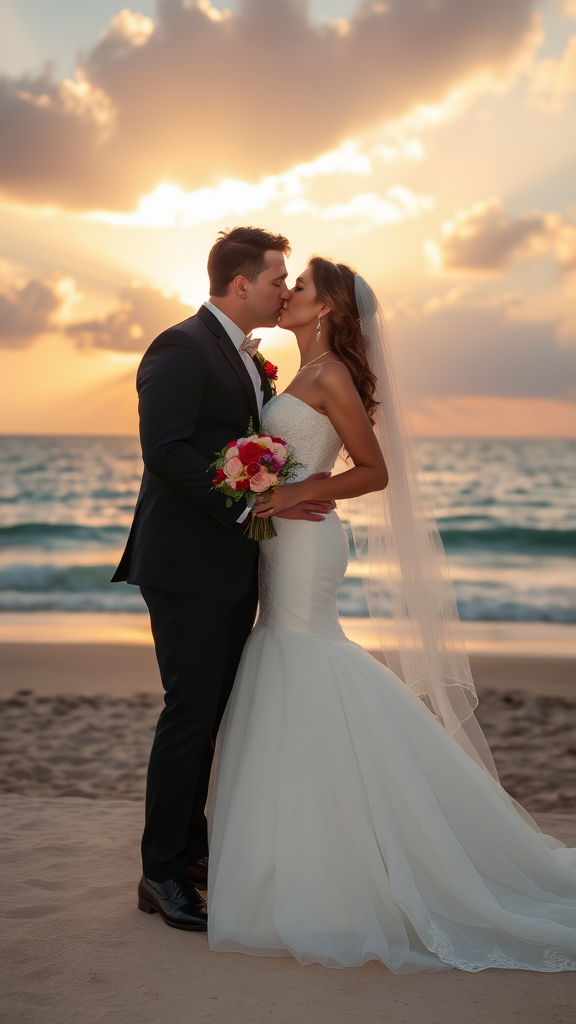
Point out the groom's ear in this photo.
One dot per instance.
(238, 287)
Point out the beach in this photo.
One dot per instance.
(429, 168)
(77, 722)
(80, 694)
(79, 950)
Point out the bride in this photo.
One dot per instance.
(354, 812)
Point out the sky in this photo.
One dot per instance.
(428, 143)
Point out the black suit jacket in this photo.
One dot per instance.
(195, 395)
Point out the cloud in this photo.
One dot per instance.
(369, 208)
(554, 79)
(565, 245)
(483, 238)
(142, 314)
(463, 348)
(31, 307)
(169, 205)
(198, 96)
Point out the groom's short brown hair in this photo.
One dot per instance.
(241, 251)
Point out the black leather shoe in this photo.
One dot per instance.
(198, 873)
(177, 901)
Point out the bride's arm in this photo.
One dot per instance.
(332, 392)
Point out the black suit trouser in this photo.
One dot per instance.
(198, 646)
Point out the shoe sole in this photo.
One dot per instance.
(149, 908)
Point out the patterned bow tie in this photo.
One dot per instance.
(250, 345)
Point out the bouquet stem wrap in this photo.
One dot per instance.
(261, 529)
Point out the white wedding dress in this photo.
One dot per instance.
(345, 823)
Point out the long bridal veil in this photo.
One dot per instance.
(408, 589)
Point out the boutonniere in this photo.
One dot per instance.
(270, 370)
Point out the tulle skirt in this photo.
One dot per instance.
(346, 825)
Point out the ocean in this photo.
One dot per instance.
(506, 510)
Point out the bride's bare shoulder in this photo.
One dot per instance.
(336, 389)
(334, 375)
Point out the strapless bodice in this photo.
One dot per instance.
(302, 567)
(311, 436)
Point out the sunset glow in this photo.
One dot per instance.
(447, 184)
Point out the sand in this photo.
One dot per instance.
(97, 747)
(126, 669)
(78, 720)
(75, 944)
(54, 668)
(79, 950)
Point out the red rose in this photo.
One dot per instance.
(278, 440)
(253, 468)
(250, 452)
(220, 475)
(271, 371)
(231, 444)
(242, 485)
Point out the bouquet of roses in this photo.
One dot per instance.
(251, 466)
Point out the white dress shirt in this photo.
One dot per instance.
(236, 335)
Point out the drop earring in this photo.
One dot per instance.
(318, 329)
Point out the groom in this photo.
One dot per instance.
(198, 386)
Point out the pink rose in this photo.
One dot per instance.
(280, 451)
(261, 482)
(233, 468)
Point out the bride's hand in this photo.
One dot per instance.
(291, 495)
(284, 497)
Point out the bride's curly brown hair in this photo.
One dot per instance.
(334, 285)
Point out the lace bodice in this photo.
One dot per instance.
(311, 435)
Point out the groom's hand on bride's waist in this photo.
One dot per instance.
(311, 510)
(314, 510)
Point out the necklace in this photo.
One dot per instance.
(315, 359)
